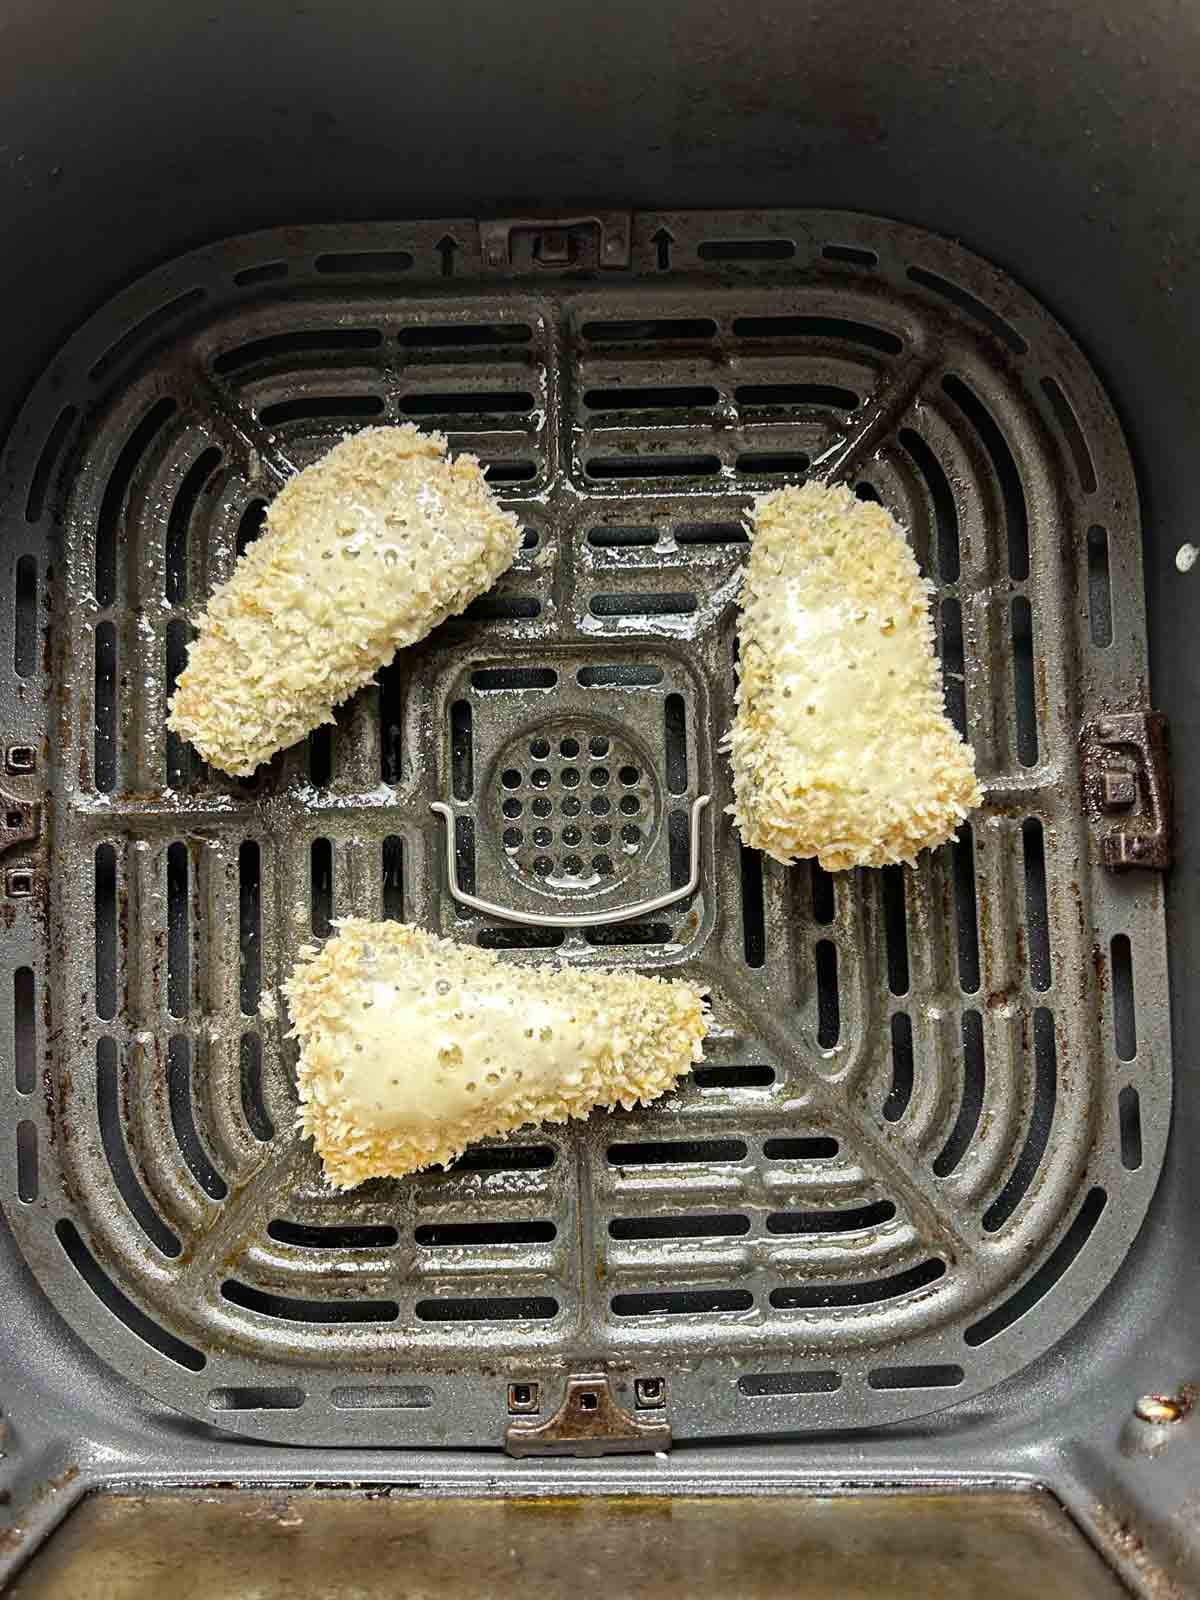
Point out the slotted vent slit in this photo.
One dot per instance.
(464, 856)
(680, 397)
(947, 1376)
(972, 305)
(681, 1302)
(966, 913)
(27, 1162)
(1041, 1118)
(679, 847)
(249, 926)
(253, 1105)
(25, 617)
(1024, 681)
(829, 1012)
(301, 342)
(288, 1308)
(1129, 1110)
(391, 710)
(653, 466)
(836, 1296)
(112, 505)
(452, 1235)
(178, 930)
(320, 756)
(497, 1308)
(431, 336)
(903, 1066)
(105, 899)
(392, 853)
(676, 1152)
(849, 1219)
(1100, 608)
(817, 1147)
(183, 1119)
(700, 1225)
(971, 1106)
(112, 1137)
(321, 887)
(824, 895)
(178, 755)
(1047, 1275)
(260, 1398)
(954, 681)
(1076, 439)
(621, 538)
(354, 1236)
(106, 1291)
(251, 524)
(462, 750)
(321, 408)
(675, 737)
(179, 522)
(44, 471)
(836, 330)
(1037, 906)
(895, 921)
(754, 931)
(1016, 514)
(941, 496)
(762, 1385)
(104, 738)
(24, 1031)
(733, 1077)
(1124, 1007)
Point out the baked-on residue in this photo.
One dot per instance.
(841, 748)
(363, 552)
(412, 1047)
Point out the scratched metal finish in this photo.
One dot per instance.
(931, 1118)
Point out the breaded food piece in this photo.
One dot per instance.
(841, 748)
(365, 551)
(412, 1047)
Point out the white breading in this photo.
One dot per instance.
(365, 551)
(412, 1047)
(841, 748)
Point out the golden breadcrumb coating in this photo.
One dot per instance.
(412, 1047)
(841, 748)
(363, 552)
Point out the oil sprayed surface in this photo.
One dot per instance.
(425, 1056)
(844, 675)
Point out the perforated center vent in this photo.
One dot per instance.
(935, 1098)
(575, 805)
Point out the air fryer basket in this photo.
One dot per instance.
(908, 1208)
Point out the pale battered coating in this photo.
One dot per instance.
(363, 552)
(412, 1047)
(841, 748)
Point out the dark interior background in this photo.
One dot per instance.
(1056, 138)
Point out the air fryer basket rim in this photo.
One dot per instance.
(1063, 165)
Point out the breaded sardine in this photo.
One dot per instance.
(365, 551)
(841, 748)
(412, 1047)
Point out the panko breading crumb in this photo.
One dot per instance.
(365, 551)
(841, 748)
(413, 1047)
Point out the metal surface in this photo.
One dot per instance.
(922, 1142)
(579, 919)
(247, 1546)
(589, 1422)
